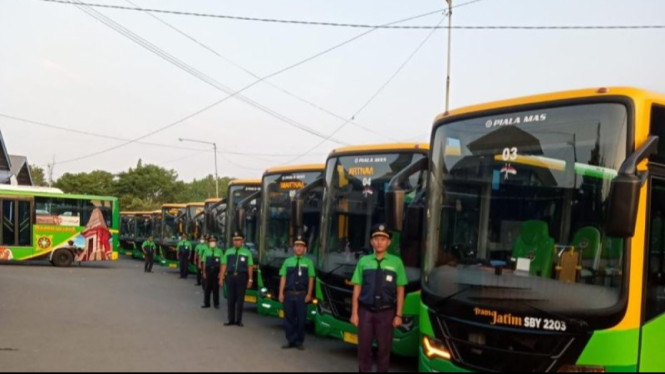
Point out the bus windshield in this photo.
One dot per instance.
(216, 220)
(173, 223)
(354, 202)
(280, 190)
(517, 205)
(143, 226)
(238, 193)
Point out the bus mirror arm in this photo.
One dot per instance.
(395, 194)
(298, 205)
(625, 192)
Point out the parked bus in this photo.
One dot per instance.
(44, 223)
(242, 214)
(545, 237)
(278, 227)
(173, 219)
(358, 182)
(143, 227)
(126, 236)
(215, 219)
(194, 223)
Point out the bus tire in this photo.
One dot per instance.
(63, 258)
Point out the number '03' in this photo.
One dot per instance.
(509, 154)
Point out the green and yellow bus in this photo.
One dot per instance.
(215, 219)
(280, 191)
(194, 223)
(44, 223)
(144, 226)
(242, 214)
(358, 183)
(173, 221)
(126, 235)
(545, 246)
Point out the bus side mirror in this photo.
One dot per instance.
(240, 219)
(624, 194)
(395, 209)
(622, 206)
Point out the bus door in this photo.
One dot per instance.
(653, 329)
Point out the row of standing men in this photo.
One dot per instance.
(378, 294)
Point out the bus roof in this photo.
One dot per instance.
(236, 182)
(214, 200)
(295, 168)
(553, 96)
(376, 148)
(174, 205)
(155, 212)
(142, 213)
(8, 189)
(196, 204)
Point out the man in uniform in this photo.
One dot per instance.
(198, 258)
(378, 298)
(184, 250)
(212, 260)
(237, 271)
(149, 248)
(295, 291)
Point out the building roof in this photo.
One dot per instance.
(21, 170)
(5, 162)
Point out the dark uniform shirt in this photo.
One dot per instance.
(212, 257)
(237, 260)
(297, 271)
(379, 280)
(184, 247)
(149, 246)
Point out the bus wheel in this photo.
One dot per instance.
(63, 258)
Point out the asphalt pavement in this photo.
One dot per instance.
(111, 316)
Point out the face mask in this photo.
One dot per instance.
(202, 241)
(213, 245)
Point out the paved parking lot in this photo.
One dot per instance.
(114, 317)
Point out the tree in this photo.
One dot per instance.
(97, 182)
(152, 184)
(202, 189)
(38, 177)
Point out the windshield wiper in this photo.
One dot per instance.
(326, 274)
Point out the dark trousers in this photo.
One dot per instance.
(379, 326)
(211, 286)
(198, 276)
(149, 259)
(295, 314)
(235, 290)
(184, 266)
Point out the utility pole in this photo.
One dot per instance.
(450, 24)
(214, 147)
(51, 166)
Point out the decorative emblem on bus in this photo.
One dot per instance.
(44, 242)
(508, 169)
(367, 187)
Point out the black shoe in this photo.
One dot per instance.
(216, 306)
(197, 284)
(300, 347)
(205, 306)
(239, 324)
(287, 346)
(229, 323)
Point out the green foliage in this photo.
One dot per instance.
(38, 177)
(142, 188)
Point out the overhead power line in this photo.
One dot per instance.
(354, 25)
(301, 62)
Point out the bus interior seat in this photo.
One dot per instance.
(587, 241)
(535, 243)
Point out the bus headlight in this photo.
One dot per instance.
(408, 323)
(263, 292)
(434, 348)
(324, 307)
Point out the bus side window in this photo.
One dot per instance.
(8, 222)
(655, 288)
(24, 224)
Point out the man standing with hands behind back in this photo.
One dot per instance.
(378, 298)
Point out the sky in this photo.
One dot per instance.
(74, 90)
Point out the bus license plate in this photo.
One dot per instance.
(250, 299)
(172, 266)
(350, 338)
(281, 313)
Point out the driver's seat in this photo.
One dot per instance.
(535, 243)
